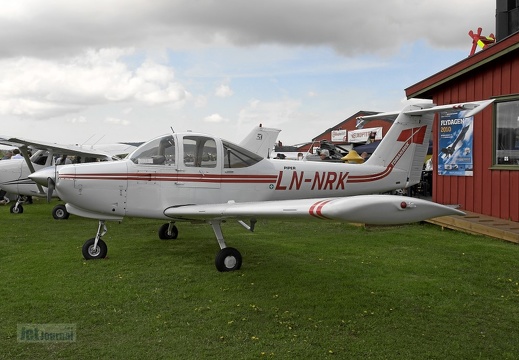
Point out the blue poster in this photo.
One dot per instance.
(455, 144)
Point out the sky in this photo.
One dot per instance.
(84, 72)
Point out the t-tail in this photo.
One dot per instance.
(405, 145)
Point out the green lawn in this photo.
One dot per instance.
(305, 290)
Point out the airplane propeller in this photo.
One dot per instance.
(51, 185)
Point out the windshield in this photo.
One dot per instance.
(159, 151)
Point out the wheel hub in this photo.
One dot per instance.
(230, 262)
(94, 251)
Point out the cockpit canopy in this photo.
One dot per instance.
(195, 151)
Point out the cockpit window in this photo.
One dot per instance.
(199, 151)
(238, 157)
(160, 151)
(40, 157)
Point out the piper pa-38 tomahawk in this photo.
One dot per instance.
(14, 173)
(200, 178)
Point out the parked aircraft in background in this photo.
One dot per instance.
(201, 178)
(14, 173)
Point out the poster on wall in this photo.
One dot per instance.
(455, 144)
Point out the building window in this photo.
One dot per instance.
(506, 140)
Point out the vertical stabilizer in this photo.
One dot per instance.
(261, 140)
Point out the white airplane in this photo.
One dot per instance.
(14, 173)
(200, 178)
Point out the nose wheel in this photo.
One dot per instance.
(16, 209)
(91, 251)
(96, 248)
(60, 212)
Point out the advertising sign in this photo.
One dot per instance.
(339, 136)
(363, 135)
(455, 144)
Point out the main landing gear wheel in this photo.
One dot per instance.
(89, 253)
(16, 209)
(168, 232)
(60, 212)
(228, 259)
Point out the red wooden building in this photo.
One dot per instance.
(492, 73)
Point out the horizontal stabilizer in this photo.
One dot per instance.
(420, 109)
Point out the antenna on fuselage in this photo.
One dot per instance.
(173, 131)
(92, 146)
(87, 140)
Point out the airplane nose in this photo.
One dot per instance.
(42, 176)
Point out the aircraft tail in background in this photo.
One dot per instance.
(261, 140)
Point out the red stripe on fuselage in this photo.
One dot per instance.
(370, 177)
(151, 176)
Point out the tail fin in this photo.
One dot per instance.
(260, 140)
(405, 145)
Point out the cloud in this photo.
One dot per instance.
(200, 101)
(223, 91)
(215, 118)
(40, 88)
(274, 112)
(117, 121)
(56, 27)
(77, 120)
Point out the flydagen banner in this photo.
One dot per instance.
(455, 144)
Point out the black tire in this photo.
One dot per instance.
(90, 254)
(16, 209)
(163, 232)
(60, 212)
(228, 259)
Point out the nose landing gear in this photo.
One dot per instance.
(96, 248)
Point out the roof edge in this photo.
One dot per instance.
(462, 67)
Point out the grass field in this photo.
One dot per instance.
(306, 290)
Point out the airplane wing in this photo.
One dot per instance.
(86, 151)
(367, 209)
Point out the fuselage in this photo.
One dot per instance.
(185, 169)
(14, 174)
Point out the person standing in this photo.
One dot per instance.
(16, 154)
